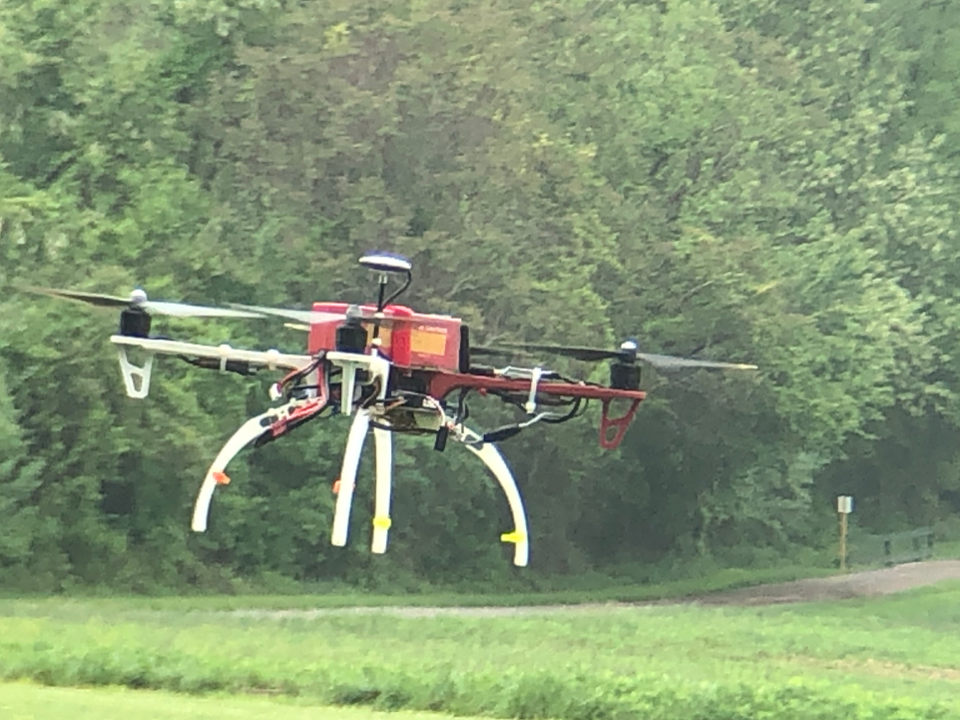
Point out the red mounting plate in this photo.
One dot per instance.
(611, 429)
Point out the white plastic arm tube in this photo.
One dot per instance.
(348, 477)
(495, 463)
(381, 511)
(245, 434)
(136, 379)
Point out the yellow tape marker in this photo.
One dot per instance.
(514, 537)
(382, 523)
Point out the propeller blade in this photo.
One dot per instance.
(668, 362)
(316, 316)
(98, 299)
(185, 310)
(572, 351)
(663, 362)
(299, 316)
(139, 299)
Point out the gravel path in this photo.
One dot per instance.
(836, 587)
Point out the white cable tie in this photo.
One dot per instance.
(275, 392)
(273, 357)
(224, 350)
(531, 405)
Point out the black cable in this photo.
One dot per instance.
(463, 412)
(398, 293)
(575, 411)
(240, 367)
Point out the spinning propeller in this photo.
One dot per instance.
(138, 301)
(306, 317)
(627, 353)
(384, 264)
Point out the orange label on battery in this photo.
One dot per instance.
(428, 340)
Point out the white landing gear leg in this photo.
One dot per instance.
(495, 463)
(245, 434)
(379, 370)
(348, 477)
(276, 421)
(348, 481)
(381, 511)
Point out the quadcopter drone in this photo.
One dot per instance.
(391, 370)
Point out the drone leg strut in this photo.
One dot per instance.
(379, 370)
(348, 482)
(348, 477)
(495, 463)
(245, 434)
(266, 426)
(381, 511)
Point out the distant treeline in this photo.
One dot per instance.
(759, 180)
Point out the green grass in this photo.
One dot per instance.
(24, 701)
(893, 657)
(946, 549)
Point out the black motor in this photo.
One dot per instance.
(134, 322)
(625, 374)
(352, 336)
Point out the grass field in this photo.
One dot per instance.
(894, 657)
(23, 701)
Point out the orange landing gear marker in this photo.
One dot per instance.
(221, 478)
(336, 486)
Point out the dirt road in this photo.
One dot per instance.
(836, 587)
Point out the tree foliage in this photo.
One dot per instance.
(765, 181)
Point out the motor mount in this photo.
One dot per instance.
(134, 322)
(351, 336)
(624, 375)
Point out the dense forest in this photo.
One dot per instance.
(751, 180)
